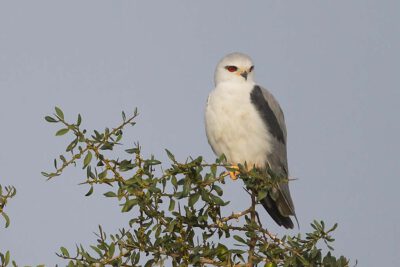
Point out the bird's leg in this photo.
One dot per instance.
(234, 174)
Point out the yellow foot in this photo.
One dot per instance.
(234, 174)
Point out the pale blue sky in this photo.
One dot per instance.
(333, 65)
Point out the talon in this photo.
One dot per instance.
(234, 174)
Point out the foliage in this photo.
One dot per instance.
(176, 212)
(10, 192)
(5, 194)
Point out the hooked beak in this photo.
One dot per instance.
(244, 75)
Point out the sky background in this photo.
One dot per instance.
(333, 65)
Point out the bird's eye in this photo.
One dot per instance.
(251, 69)
(231, 68)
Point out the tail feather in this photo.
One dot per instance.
(272, 208)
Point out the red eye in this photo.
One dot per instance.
(231, 68)
(251, 69)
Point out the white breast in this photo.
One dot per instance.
(234, 127)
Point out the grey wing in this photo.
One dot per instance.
(276, 108)
(278, 159)
(281, 206)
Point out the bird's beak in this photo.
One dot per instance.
(244, 75)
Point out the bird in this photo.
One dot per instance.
(245, 123)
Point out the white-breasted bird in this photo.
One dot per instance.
(246, 124)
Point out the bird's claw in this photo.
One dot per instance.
(234, 174)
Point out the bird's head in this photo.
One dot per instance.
(235, 67)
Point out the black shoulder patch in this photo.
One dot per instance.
(266, 113)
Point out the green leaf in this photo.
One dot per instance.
(72, 145)
(98, 251)
(132, 150)
(214, 170)
(89, 192)
(174, 181)
(239, 239)
(217, 200)
(79, 120)
(6, 218)
(50, 119)
(193, 199)
(87, 160)
(103, 174)
(171, 205)
(237, 251)
(110, 194)
(62, 131)
(59, 113)
(107, 146)
(171, 226)
(64, 251)
(7, 258)
(111, 250)
(218, 190)
(153, 162)
(186, 188)
(149, 263)
(129, 204)
(170, 155)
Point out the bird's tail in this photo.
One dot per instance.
(281, 208)
(272, 209)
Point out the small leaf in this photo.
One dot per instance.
(72, 145)
(193, 199)
(240, 239)
(103, 174)
(149, 263)
(98, 251)
(170, 155)
(129, 204)
(186, 188)
(111, 250)
(7, 258)
(153, 162)
(236, 251)
(87, 160)
(62, 131)
(107, 146)
(174, 181)
(218, 190)
(89, 192)
(59, 113)
(132, 151)
(171, 205)
(78, 122)
(64, 251)
(110, 194)
(6, 218)
(217, 200)
(50, 119)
